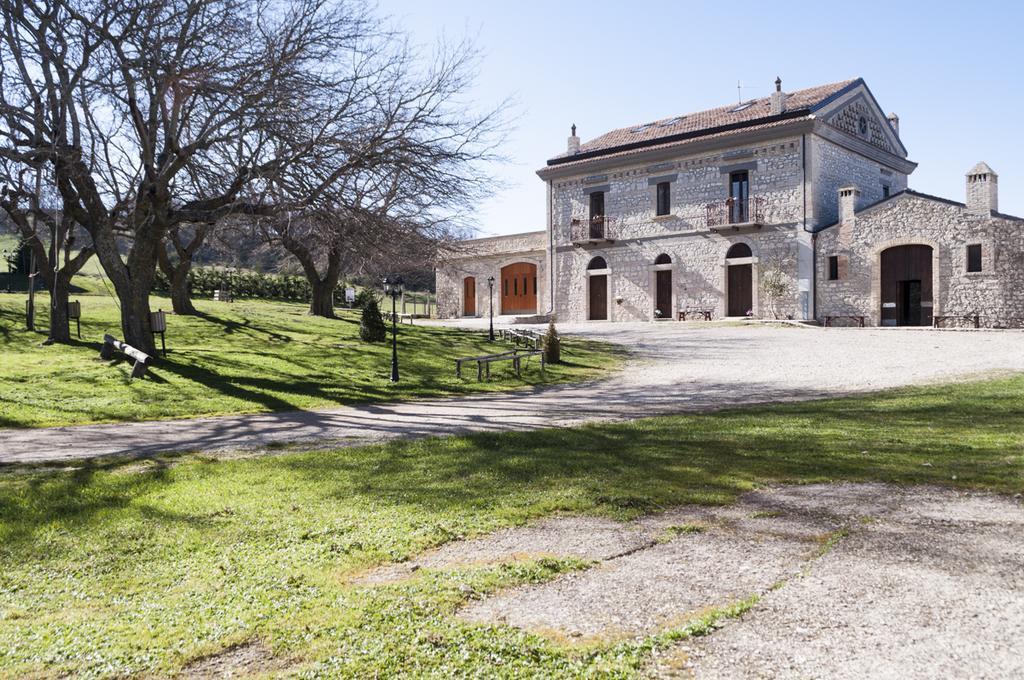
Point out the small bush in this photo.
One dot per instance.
(371, 326)
(363, 297)
(552, 344)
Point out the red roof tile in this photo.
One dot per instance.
(756, 112)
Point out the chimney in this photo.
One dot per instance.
(574, 141)
(982, 190)
(849, 194)
(894, 121)
(778, 98)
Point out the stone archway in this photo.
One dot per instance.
(519, 288)
(739, 280)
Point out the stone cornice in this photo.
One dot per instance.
(674, 151)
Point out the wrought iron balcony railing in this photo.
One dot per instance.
(734, 212)
(598, 229)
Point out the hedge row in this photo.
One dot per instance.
(202, 281)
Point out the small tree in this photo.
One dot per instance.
(363, 297)
(371, 327)
(775, 286)
(552, 344)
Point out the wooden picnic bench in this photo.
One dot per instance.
(483, 363)
(859, 320)
(704, 314)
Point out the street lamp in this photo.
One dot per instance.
(490, 295)
(393, 289)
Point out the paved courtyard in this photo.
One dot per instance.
(675, 367)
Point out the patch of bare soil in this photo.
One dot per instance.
(240, 661)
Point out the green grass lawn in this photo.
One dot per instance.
(244, 357)
(121, 568)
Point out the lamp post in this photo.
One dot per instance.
(490, 306)
(393, 289)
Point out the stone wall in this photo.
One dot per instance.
(698, 274)
(996, 293)
(832, 166)
(482, 258)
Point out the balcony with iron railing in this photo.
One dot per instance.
(736, 214)
(597, 229)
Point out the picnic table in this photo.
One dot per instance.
(703, 314)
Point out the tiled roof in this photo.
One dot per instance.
(733, 116)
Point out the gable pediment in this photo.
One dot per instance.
(858, 115)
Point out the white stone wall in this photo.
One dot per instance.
(832, 166)
(482, 258)
(698, 274)
(996, 293)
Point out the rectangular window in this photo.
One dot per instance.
(885, 191)
(664, 200)
(974, 257)
(597, 214)
(833, 268)
(739, 196)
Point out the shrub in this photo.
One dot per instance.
(371, 326)
(552, 344)
(364, 296)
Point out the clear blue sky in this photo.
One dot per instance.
(953, 72)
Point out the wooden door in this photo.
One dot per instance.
(469, 296)
(663, 294)
(906, 286)
(741, 293)
(519, 288)
(598, 295)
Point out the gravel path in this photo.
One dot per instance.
(913, 583)
(677, 367)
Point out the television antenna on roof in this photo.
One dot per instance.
(739, 91)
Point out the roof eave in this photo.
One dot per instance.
(693, 144)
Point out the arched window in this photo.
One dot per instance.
(739, 250)
(663, 259)
(597, 263)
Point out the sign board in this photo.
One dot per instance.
(888, 305)
(350, 295)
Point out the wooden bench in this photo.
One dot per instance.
(402, 318)
(859, 320)
(483, 363)
(975, 319)
(704, 314)
(222, 295)
(142, 360)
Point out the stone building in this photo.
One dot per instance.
(913, 259)
(722, 212)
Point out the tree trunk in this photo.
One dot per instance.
(181, 297)
(135, 318)
(60, 292)
(322, 300)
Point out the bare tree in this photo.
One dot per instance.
(422, 155)
(154, 114)
(58, 244)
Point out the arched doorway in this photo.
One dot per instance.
(663, 287)
(519, 288)
(739, 280)
(597, 289)
(469, 296)
(906, 286)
